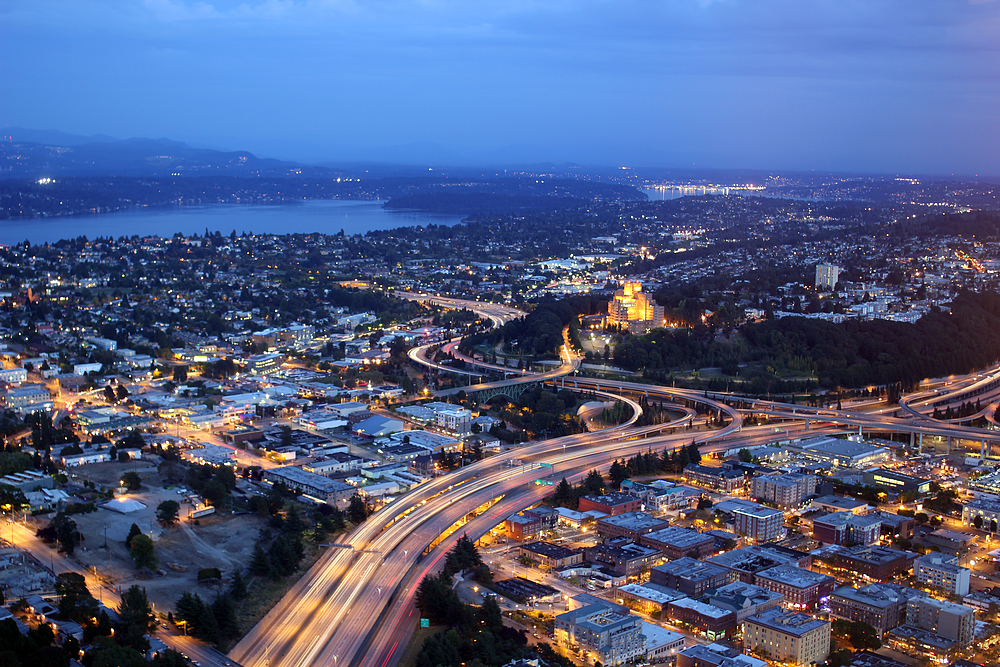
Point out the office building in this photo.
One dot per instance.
(947, 619)
(724, 480)
(941, 571)
(786, 490)
(827, 276)
(610, 632)
(759, 524)
(787, 636)
(847, 528)
(882, 606)
(690, 576)
(802, 588)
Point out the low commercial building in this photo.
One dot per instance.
(951, 541)
(310, 484)
(612, 634)
(551, 555)
(690, 576)
(895, 525)
(661, 644)
(630, 524)
(29, 394)
(719, 479)
(611, 504)
(646, 598)
(895, 482)
(263, 364)
(748, 562)
(73, 460)
(882, 606)
(839, 453)
(847, 527)
(839, 504)
(789, 637)
(703, 618)
(377, 427)
(802, 588)
(676, 542)
(716, 655)
(941, 571)
(744, 599)
(871, 563)
(623, 557)
(987, 510)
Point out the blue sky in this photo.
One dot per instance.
(898, 86)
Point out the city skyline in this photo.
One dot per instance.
(894, 88)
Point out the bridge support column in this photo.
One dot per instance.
(982, 450)
(920, 446)
(913, 437)
(948, 451)
(807, 424)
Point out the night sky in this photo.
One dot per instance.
(897, 86)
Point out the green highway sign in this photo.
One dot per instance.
(425, 622)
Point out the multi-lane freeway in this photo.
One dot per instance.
(354, 607)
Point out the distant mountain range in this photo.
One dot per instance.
(26, 153)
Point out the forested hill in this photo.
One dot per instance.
(851, 354)
(539, 333)
(510, 195)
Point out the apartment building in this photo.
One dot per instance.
(787, 636)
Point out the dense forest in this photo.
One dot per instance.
(851, 354)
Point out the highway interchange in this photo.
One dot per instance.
(354, 606)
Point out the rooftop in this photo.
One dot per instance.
(787, 622)
(793, 576)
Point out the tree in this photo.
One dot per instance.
(66, 532)
(132, 532)
(169, 658)
(12, 499)
(75, 600)
(143, 552)
(131, 480)
(978, 522)
(745, 455)
(167, 512)
(357, 510)
(137, 618)
(618, 473)
(239, 587)
(109, 654)
(260, 565)
(694, 456)
(135, 610)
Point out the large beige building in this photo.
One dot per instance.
(635, 310)
(787, 636)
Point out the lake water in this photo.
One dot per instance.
(328, 217)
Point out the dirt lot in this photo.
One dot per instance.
(221, 541)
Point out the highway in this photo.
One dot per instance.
(354, 607)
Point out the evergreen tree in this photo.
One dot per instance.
(357, 511)
(260, 566)
(132, 532)
(239, 587)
